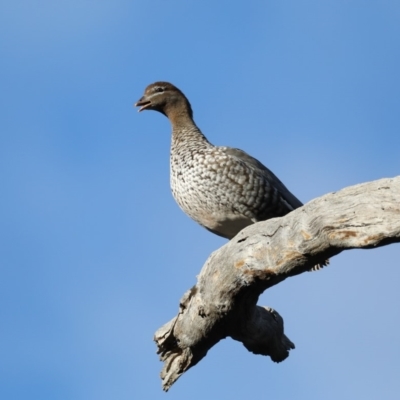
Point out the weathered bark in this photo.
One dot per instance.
(223, 302)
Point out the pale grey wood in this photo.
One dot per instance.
(223, 302)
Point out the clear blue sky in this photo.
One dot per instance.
(94, 252)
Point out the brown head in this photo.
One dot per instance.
(165, 98)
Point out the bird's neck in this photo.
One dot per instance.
(189, 137)
(180, 119)
(184, 130)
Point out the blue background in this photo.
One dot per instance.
(94, 252)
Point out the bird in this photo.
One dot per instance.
(224, 189)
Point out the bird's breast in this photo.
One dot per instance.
(210, 190)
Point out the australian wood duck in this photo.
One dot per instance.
(223, 189)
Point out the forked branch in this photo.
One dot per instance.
(224, 301)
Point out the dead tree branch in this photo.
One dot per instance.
(223, 302)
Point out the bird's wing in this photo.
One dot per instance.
(268, 175)
(261, 169)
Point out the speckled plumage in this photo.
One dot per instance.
(222, 188)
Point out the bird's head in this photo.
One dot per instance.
(165, 98)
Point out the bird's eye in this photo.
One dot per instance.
(159, 89)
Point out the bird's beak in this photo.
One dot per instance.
(143, 103)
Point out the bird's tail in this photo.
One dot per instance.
(319, 266)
